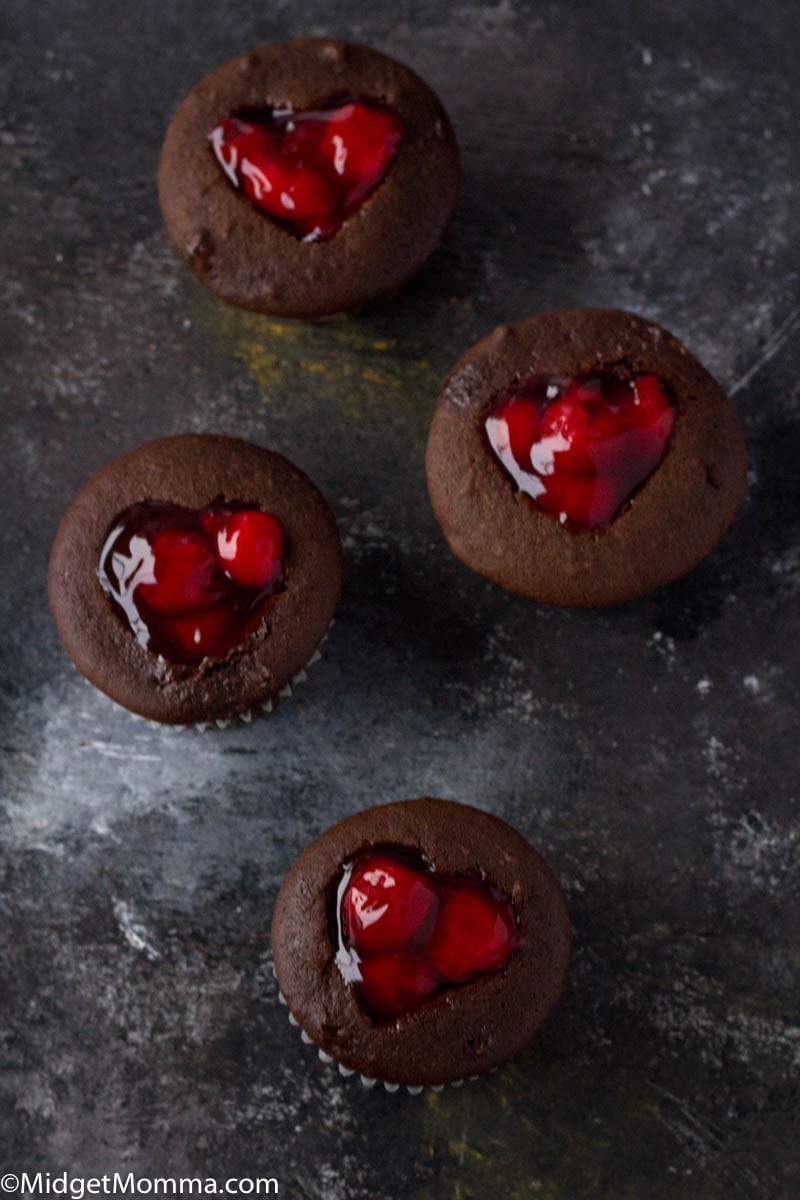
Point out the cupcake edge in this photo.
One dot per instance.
(189, 470)
(671, 523)
(475, 1026)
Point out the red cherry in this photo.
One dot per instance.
(298, 196)
(311, 170)
(395, 983)
(523, 417)
(212, 519)
(649, 394)
(186, 573)
(209, 633)
(585, 500)
(360, 141)
(250, 547)
(568, 417)
(387, 906)
(626, 456)
(474, 932)
(565, 431)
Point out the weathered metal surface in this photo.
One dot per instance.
(613, 154)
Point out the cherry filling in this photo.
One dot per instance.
(580, 447)
(407, 932)
(193, 583)
(309, 170)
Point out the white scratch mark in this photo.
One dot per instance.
(697, 1135)
(693, 1132)
(109, 750)
(134, 932)
(773, 346)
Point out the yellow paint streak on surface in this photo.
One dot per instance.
(261, 364)
(461, 1151)
(370, 375)
(357, 370)
(290, 332)
(352, 338)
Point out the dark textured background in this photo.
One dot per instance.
(637, 155)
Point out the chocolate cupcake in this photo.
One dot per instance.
(308, 177)
(420, 943)
(583, 457)
(195, 578)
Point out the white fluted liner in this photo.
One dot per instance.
(366, 1080)
(246, 717)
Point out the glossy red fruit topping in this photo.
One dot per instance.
(397, 982)
(407, 932)
(472, 934)
(208, 633)
(250, 547)
(193, 583)
(387, 905)
(186, 573)
(581, 447)
(309, 170)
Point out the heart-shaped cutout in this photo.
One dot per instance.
(580, 447)
(309, 170)
(407, 932)
(192, 583)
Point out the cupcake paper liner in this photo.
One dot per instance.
(367, 1081)
(250, 714)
